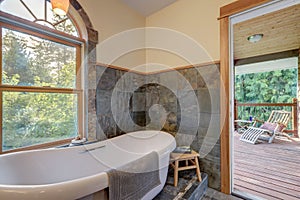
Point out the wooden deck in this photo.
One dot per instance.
(268, 171)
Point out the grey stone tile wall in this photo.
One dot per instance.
(184, 103)
(119, 108)
(194, 112)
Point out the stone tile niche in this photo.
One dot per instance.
(184, 103)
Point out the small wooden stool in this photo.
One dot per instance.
(191, 162)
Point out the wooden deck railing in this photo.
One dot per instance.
(293, 105)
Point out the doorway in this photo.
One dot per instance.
(265, 170)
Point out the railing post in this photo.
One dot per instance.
(235, 110)
(295, 117)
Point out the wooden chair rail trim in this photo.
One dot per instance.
(216, 62)
(118, 68)
(204, 64)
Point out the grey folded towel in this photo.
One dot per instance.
(134, 180)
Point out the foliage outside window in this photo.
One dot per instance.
(39, 89)
(278, 86)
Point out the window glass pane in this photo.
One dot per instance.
(67, 27)
(15, 7)
(36, 7)
(35, 118)
(32, 61)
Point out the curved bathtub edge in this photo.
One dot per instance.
(81, 187)
(68, 190)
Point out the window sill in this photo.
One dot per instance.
(41, 146)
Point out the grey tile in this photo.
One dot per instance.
(107, 125)
(132, 81)
(108, 80)
(167, 98)
(103, 102)
(183, 139)
(200, 81)
(139, 118)
(152, 95)
(185, 178)
(204, 100)
(91, 100)
(189, 79)
(99, 72)
(169, 80)
(205, 120)
(210, 75)
(215, 100)
(92, 79)
(214, 194)
(152, 78)
(122, 102)
(138, 101)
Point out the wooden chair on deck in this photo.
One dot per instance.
(275, 125)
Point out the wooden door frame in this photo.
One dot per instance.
(225, 13)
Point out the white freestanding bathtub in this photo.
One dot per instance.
(75, 172)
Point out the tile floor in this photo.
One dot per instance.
(212, 194)
(187, 183)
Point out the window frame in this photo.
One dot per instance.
(21, 25)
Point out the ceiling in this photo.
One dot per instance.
(267, 66)
(148, 7)
(281, 31)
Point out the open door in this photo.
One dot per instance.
(264, 55)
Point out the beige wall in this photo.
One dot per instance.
(192, 36)
(195, 18)
(110, 17)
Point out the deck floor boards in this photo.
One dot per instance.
(279, 172)
(287, 185)
(269, 171)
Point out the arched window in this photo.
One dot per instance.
(40, 12)
(40, 88)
